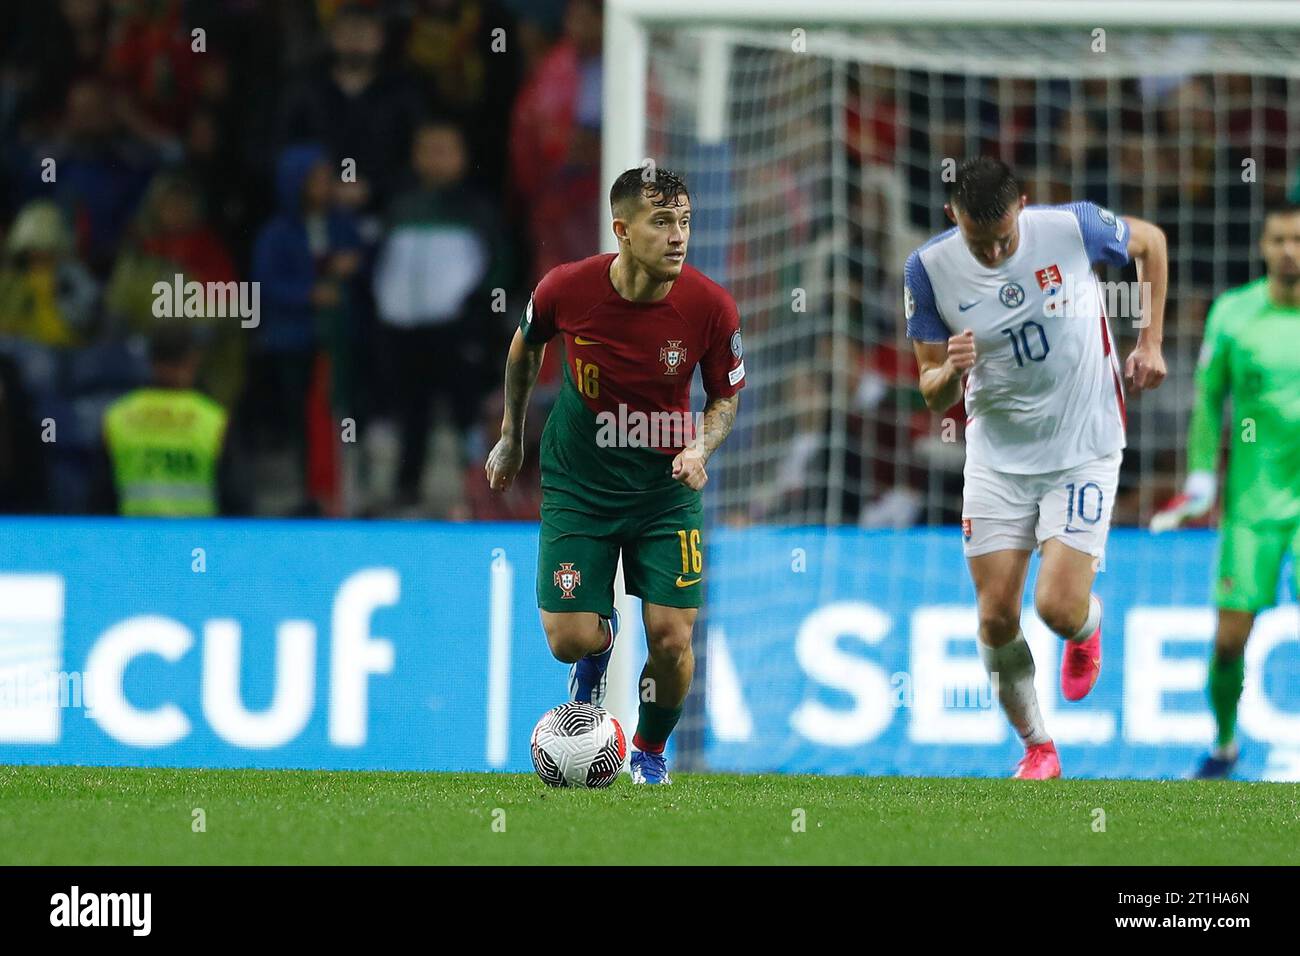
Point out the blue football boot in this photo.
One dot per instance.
(649, 768)
(1215, 767)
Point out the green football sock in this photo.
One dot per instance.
(1224, 690)
(653, 726)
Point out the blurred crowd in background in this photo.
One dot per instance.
(395, 175)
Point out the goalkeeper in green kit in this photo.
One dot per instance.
(1251, 355)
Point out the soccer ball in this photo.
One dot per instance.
(578, 745)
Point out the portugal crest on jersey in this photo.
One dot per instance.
(673, 356)
(567, 578)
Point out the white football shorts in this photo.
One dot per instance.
(1002, 511)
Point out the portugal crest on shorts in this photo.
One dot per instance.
(567, 578)
(673, 356)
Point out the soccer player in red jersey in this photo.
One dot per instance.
(622, 459)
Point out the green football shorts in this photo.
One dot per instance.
(1250, 564)
(663, 558)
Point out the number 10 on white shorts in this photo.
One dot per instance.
(1003, 511)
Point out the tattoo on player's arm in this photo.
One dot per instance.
(719, 416)
(522, 366)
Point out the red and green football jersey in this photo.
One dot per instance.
(624, 407)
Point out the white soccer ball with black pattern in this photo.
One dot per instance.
(578, 745)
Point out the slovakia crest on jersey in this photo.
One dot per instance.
(1049, 279)
(567, 578)
(673, 356)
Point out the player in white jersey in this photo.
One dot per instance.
(1008, 298)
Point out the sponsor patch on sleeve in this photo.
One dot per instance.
(1110, 219)
(736, 374)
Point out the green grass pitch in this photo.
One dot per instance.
(80, 815)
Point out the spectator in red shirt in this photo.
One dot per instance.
(555, 142)
(152, 61)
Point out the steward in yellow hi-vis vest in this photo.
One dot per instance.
(165, 442)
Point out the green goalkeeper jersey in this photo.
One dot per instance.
(1251, 355)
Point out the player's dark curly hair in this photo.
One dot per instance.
(661, 186)
(985, 188)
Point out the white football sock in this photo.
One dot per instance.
(1093, 620)
(1011, 668)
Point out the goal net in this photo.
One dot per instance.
(819, 150)
(825, 167)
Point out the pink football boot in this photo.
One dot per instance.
(1081, 666)
(1040, 762)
